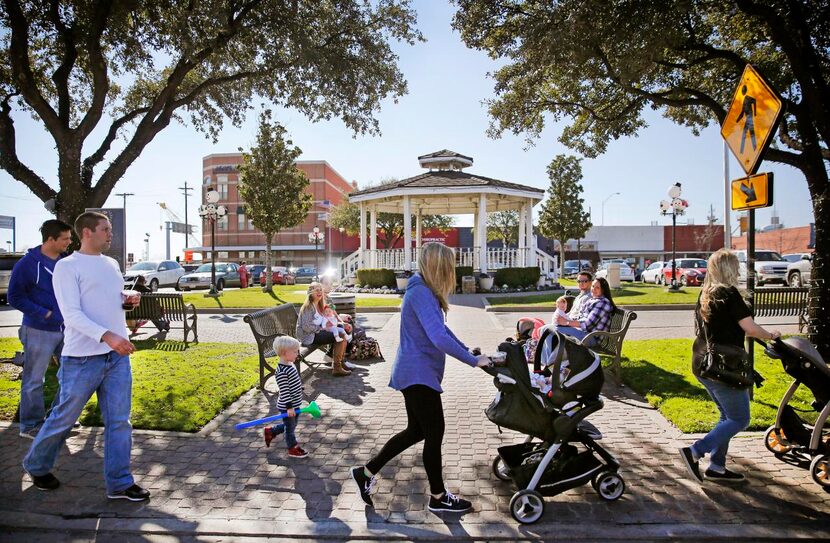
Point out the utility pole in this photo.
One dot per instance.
(124, 195)
(186, 191)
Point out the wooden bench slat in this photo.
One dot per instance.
(782, 302)
(169, 306)
(610, 342)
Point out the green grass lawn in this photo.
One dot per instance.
(254, 297)
(173, 388)
(629, 294)
(661, 370)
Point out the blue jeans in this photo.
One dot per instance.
(733, 404)
(38, 348)
(109, 376)
(288, 426)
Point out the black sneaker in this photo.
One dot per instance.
(364, 485)
(449, 502)
(46, 482)
(135, 494)
(727, 476)
(690, 463)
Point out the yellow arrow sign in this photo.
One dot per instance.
(752, 192)
(751, 121)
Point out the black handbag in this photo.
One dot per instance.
(727, 364)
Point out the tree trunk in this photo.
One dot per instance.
(267, 271)
(562, 259)
(819, 324)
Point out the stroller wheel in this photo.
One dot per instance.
(527, 506)
(820, 470)
(776, 441)
(609, 485)
(500, 469)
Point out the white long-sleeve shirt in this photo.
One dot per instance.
(88, 289)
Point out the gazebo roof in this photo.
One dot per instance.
(447, 191)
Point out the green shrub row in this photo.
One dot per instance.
(517, 277)
(376, 277)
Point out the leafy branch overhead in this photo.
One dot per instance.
(109, 76)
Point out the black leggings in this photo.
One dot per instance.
(425, 421)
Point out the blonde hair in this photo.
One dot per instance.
(722, 271)
(308, 301)
(436, 265)
(283, 343)
(562, 299)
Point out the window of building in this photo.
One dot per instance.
(222, 255)
(240, 218)
(222, 186)
(222, 223)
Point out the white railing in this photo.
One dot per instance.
(466, 256)
(348, 265)
(549, 265)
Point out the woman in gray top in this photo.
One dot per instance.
(309, 332)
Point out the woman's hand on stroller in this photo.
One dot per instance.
(483, 361)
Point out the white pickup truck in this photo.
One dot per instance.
(769, 267)
(799, 272)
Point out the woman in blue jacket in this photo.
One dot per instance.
(417, 372)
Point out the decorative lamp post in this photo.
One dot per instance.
(342, 230)
(675, 207)
(212, 212)
(317, 237)
(603, 205)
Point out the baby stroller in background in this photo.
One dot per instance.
(569, 455)
(791, 435)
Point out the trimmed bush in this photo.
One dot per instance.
(461, 271)
(376, 277)
(517, 277)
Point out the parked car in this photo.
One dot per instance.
(795, 257)
(279, 276)
(690, 271)
(227, 275)
(188, 268)
(255, 271)
(626, 273)
(769, 267)
(572, 267)
(305, 275)
(7, 262)
(799, 272)
(157, 274)
(654, 273)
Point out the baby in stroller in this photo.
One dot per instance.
(790, 435)
(568, 455)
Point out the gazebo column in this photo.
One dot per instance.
(407, 233)
(522, 238)
(362, 250)
(481, 230)
(531, 242)
(418, 230)
(373, 237)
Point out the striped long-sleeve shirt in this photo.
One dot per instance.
(291, 387)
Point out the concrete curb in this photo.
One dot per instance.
(540, 308)
(246, 310)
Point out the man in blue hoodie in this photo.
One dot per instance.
(31, 293)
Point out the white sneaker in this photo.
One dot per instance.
(348, 365)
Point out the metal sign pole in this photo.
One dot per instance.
(750, 275)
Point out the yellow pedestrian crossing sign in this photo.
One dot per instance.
(751, 121)
(752, 192)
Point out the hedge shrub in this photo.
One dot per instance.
(376, 277)
(517, 277)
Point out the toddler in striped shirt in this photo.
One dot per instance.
(291, 395)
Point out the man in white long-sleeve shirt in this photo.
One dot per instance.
(95, 359)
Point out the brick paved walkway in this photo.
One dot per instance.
(227, 482)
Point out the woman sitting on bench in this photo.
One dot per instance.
(309, 332)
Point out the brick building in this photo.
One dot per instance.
(800, 239)
(236, 237)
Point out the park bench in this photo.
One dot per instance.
(782, 302)
(168, 306)
(609, 342)
(269, 324)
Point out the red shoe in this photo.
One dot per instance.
(297, 452)
(269, 436)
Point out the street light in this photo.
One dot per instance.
(146, 246)
(212, 212)
(603, 205)
(316, 236)
(675, 207)
(342, 230)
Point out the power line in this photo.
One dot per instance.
(124, 195)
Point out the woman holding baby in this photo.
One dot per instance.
(318, 325)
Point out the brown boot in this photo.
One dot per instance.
(338, 370)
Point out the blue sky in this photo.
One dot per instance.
(447, 85)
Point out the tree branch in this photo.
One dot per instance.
(8, 155)
(95, 158)
(70, 54)
(98, 67)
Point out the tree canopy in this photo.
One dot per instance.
(598, 64)
(106, 77)
(273, 188)
(563, 214)
(503, 226)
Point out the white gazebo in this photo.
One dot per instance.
(446, 190)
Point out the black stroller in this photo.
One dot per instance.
(568, 455)
(790, 435)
